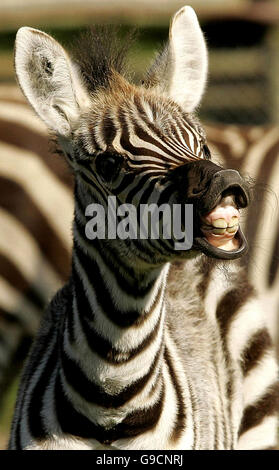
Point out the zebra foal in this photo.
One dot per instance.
(146, 346)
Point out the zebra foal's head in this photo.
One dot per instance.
(139, 144)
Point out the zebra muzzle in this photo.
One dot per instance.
(221, 235)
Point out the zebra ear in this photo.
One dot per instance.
(181, 69)
(46, 77)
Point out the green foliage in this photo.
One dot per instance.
(6, 412)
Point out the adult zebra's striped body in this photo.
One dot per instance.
(146, 356)
(254, 151)
(35, 239)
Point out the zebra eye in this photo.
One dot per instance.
(108, 166)
(206, 152)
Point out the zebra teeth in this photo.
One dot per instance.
(232, 229)
(220, 223)
(233, 222)
(219, 231)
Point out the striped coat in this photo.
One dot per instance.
(21, 299)
(142, 348)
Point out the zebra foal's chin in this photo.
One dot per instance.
(147, 346)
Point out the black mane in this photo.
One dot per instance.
(99, 51)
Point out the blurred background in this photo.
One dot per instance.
(240, 107)
(242, 36)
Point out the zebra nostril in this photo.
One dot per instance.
(230, 183)
(241, 200)
(228, 198)
(235, 195)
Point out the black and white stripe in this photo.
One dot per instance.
(137, 350)
(113, 371)
(34, 241)
(220, 140)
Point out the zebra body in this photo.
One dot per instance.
(143, 348)
(185, 394)
(22, 300)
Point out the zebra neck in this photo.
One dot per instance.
(116, 289)
(114, 331)
(103, 291)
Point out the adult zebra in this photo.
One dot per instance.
(254, 150)
(35, 237)
(145, 356)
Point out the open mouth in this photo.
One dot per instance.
(220, 235)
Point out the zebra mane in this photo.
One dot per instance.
(100, 51)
